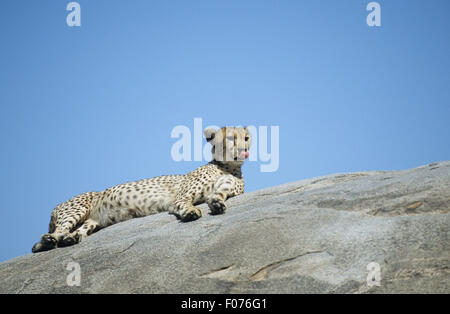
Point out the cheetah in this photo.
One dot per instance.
(74, 220)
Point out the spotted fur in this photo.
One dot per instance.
(212, 183)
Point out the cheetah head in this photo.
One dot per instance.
(229, 144)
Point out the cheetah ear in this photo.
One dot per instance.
(210, 134)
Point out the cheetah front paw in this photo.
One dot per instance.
(191, 214)
(217, 206)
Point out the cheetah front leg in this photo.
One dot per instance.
(224, 188)
(185, 210)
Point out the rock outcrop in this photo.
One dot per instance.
(312, 236)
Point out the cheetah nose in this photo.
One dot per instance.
(243, 154)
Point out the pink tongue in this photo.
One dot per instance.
(244, 154)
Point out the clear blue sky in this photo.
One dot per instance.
(87, 108)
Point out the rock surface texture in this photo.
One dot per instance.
(312, 236)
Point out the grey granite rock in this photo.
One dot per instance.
(311, 236)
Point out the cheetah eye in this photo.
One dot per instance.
(247, 138)
(211, 137)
